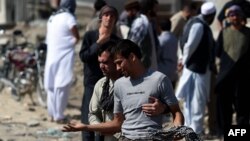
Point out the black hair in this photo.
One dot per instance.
(165, 24)
(125, 47)
(148, 6)
(132, 4)
(190, 6)
(107, 46)
(99, 4)
(107, 98)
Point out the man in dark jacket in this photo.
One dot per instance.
(231, 88)
(92, 40)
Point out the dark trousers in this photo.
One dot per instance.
(212, 114)
(233, 99)
(88, 136)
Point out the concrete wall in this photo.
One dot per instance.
(12, 11)
(3, 18)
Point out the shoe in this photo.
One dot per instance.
(51, 119)
(62, 121)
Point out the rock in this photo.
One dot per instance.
(7, 117)
(33, 123)
(54, 132)
(20, 133)
(31, 109)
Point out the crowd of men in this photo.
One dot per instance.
(137, 69)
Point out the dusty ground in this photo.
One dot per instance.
(22, 121)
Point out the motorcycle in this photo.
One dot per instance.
(22, 69)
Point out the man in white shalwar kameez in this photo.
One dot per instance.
(62, 35)
(194, 83)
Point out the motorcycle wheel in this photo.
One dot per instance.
(1, 86)
(41, 93)
(15, 95)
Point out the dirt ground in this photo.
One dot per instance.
(22, 121)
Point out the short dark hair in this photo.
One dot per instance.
(165, 24)
(132, 4)
(148, 6)
(189, 6)
(99, 4)
(108, 46)
(125, 47)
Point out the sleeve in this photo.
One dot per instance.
(89, 49)
(175, 28)
(117, 100)
(194, 38)
(71, 21)
(167, 95)
(219, 45)
(95, 112)
(137, 31)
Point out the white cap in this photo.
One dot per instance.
(208, 8)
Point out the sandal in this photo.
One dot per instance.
(62, 121)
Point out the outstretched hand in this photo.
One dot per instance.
(73, 126)
(154, 107)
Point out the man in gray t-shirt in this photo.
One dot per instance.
(131, 93)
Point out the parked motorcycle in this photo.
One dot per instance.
(22, 69)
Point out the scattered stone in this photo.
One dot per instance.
(6, 117)
(51, 132)
(31, 109)
(54, 132)
(33, 123)
(44, 118)
(20, 134)
(67, 135)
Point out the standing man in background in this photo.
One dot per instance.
(178, 22)
(167, 52)
(194, 83)
(179, 19)
(243, 4)
(140, 32)
(94, 23)
(62, 36)
(233, 50)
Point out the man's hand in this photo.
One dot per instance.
(74, 127)
(154, 107)
(179, 67)
(103, 37)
